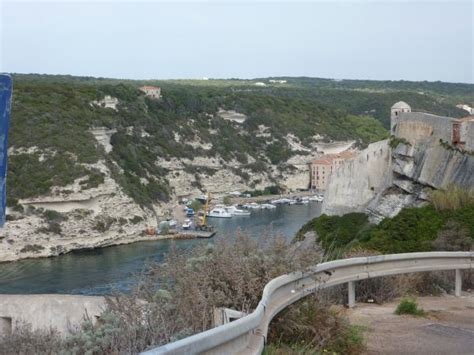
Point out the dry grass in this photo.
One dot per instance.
(453, 198)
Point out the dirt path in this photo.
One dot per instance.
(449, 328)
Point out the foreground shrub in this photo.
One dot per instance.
(313, 326)
(25, 340)
(409, 306)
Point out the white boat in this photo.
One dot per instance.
(234, 211)
(187, 223)
(317, 198)
(219, 213)
(267, 206)
(254, 206)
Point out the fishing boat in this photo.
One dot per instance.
(219, 213)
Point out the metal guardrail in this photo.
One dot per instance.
(247, 335)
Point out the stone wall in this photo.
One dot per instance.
(470, 136)
(359, 180)
(418, 126)
(62, 312)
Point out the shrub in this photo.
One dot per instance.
(32, 248)
(313, 326)
(409, 306)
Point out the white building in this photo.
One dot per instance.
(153, 92)
(107, 102)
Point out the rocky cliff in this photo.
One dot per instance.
(399, 177)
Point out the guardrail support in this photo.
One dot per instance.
(351, 294)
(458, 283)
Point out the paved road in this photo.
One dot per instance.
(449, 328)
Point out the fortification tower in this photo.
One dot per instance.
(395, 111)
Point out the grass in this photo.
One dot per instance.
(409, 306)
(453, 198)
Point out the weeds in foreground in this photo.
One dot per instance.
(453, 198)
(312, 326)
(409, 306)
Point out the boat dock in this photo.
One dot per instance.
(191, 234)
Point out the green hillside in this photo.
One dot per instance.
(53, 114)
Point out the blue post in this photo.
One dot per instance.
(5, 106)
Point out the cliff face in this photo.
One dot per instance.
(402, 176)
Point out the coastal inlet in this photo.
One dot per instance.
(101, 271)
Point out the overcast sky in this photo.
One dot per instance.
(143, 40)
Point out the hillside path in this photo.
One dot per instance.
(449, 328)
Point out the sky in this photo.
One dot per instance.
(388, 40)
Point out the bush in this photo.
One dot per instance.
(32, 248)
(313, 326)
(409, 306)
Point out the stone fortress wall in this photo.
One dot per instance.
(412, 169)
(417, 126)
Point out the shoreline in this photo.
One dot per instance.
(117, 242)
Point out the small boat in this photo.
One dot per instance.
(317, 198)
(267, 206)
(189, 212)
(219, 213)
(254, 206)
(187, 224)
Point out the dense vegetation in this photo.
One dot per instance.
(448, 224)
(54, 115)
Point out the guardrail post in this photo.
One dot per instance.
(351, 294)
(458, 283)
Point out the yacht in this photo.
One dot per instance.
(219, 213)
(234, 211)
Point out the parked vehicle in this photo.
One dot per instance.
(187, 224)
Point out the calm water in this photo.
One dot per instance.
(101, 271)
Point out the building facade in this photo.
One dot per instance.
(321, 169)
(153, 92)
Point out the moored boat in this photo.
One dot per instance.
(219, 213)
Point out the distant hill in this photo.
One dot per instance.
(52, 116)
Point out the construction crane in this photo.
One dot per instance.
(202, 224)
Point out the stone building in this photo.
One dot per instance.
(107, 102)
(422, 126)
(395, 111)
(321, 169)
(153, 92)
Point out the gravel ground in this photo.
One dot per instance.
(448, 328)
